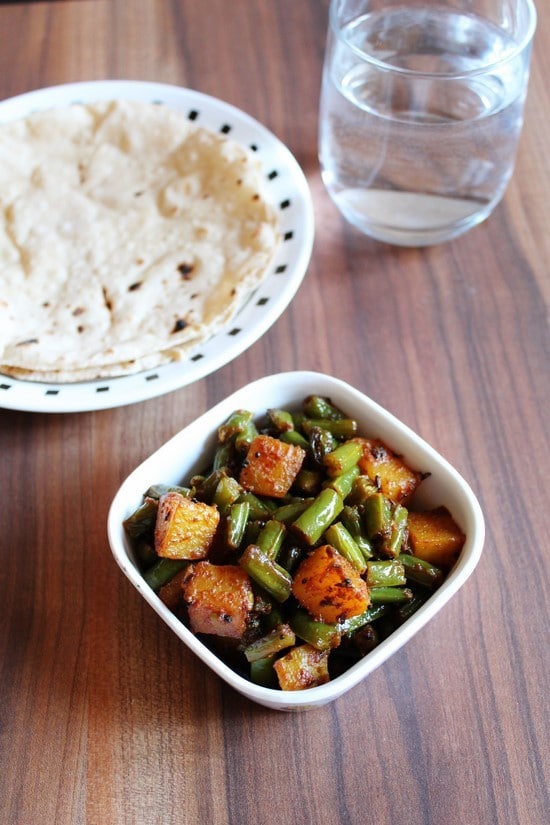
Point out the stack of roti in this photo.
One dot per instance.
(128, 235)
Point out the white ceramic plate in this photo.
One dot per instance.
(286, 188)
(192, 448)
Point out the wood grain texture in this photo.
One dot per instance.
(104, 716)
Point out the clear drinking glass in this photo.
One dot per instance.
(421, 111)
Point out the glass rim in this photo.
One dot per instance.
(383, 65)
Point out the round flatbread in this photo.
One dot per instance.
(128, 234)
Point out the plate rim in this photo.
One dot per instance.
(291, 260)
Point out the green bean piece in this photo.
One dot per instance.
(237, 520)
(378, 517)
(266, 572)
(224, 455)
(343, 483)
(145, 552)
(142, 521)
(343, 458)
(421, 571)
(298, 418)
(251, 531)
(391, 545)
(205, 486)
(227, 493)
(260, 508)
(342, 540)
(321, 442)
(270, 538)
(315, 406)
(405, 611)
(281, 420)
(390, 595)
(262, 672)
(308, 482)
(158, 490)
(163, 571)
(321, 635)
(341, 429)
(276, 640)
(274, 618)
(375, 611)
(245, 438)
(362, 489)
(235, 424)
(290, 511)
(295, 438)
(385, 574)
(351, 519)
(313, 522)
(364, 546)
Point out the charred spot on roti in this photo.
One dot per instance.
(180, 324)
(106, 299)
(133, 287)
(185, 271)
(27, 342)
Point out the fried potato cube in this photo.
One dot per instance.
(302, 667)
(435, 537)
(184, 529)
(271, 466)
(388, 470)
(329, 587)
(219, 599)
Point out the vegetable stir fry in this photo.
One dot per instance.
(299, 549)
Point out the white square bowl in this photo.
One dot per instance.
(192, 449)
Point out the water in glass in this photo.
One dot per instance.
(409, 154)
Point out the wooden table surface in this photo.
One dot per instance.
(105, 718)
